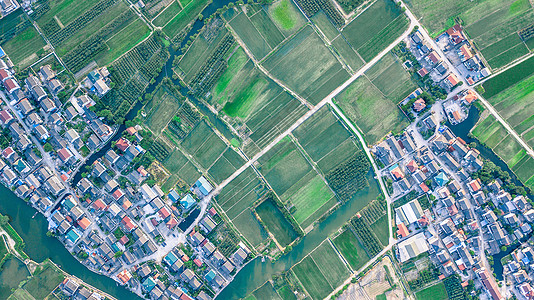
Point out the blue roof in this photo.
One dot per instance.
(204, 186)
(441, 179)
(68, 203)
(210, 275)
(393, 167)
(173, 195)
(2, 53)
(187, 202)
(149, 284)
(170, 259)
(72, 235)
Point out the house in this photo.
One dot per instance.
(65, 155)
(55, 86)
(204, 186)
(187, 202)
(455, 34)
(111, 156)
(70, 113)
(93, 142)
(490, 284)
(122, 144)
(5, 117)
(465, 53)
(48, 105)
(25, 106)
(46, 73)
(396, 172)
(101, 87)
(38, 93)
(7, 7)
(72, 136)
(5, 74)
(433, 57)
(419, 105)
(451, 80)
(422, 72)
(54, 185)
(11, 85)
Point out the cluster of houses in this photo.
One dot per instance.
(462, 219)
(462, 54)
(115, 223)
(7, 7)
(457, 108)
(72, 288)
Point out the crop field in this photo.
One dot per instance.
(328, 261)
(374, 114)
(250, 35)
(198, 53)
(83, 31)
(190, 11)
(508, 78)
(286, 16)
(349, 246)
(236, 199)
(178, 164)
(325, 26)
(44, 282)
(159, 116)
(226, 165)
(204, 145)
(307, 66)
(390, 78)
(381, 229)
(266, 291)
(374, 29)
(436, 291)
(266, 27)
(312, 279)
(351, 58)
(23, 48)
(276, 223)
(165, 16)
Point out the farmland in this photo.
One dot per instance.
(189, 12)
(349, 246)
(286, 16)
(226, 165)
(160, 115)
(23, 49)
(352, 59)
(250, 35)
(177, 163)
(237, 198)
(204, 144)
(493, 25)
(312, 279)
(276, 223)
(374, 29)
(307, 66)
(80, 32)
(436, 291)
(374, 114)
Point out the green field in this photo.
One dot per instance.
(266, 291)
(374, 114)
(325, 26)
(436, 292)
(23, 48)
(177, 163)
(184, 17)
(158, 118)
(508, 78)
(286, 16)
(330, 263)
(164, 17)
(44, 282)
(226, 165)
(249, 227)
(286, 293)
(204, 145)
(381, 229)
(252, 38)
(276, 223)
(312, 279)
(374, 29)
(391, 79)
(348, 54)
(267, 28)
(351, 249)
(123, 41)
(3, 248)
(307, 66)
(313, 196)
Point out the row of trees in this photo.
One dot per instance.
(350, 176)
(367, 237)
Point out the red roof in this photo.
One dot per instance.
(3, 74)
(5, 116)
(441, 277)
(475, 185)
(397, 173)
(64, 154)
(470, 80)
(453, 79)
(212, 212)
(434, 57)
(452, 210)
(142, 171)
(64, 177)
(466, 52)
(122, 144)
(424, 187)
(124, 276)
(172, 222)
(117, 194)
(490, 284)
(185, 297)
(131, 130)
(197, 262)
(7, 152)
(455, 32)
(422, 72)
(128, 223)
(402, 230)
(164, 213)
(419, 105)
(99, 204)
(124, 240)
(412, 166)
(10, 85)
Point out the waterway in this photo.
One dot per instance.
(256, 272)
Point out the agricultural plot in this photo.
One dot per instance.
(436, 291)
(307, 66)
(204, 145)
(351, 249)
(236, 199)
(161, 114)
(267, 28)
(286, 16)
(374, 114)
(330, 264)
(391, 79)
(325, 26)
(178, 164)
(508, 78)
(309, 274)
(374, 29)
(266, 291)
(276, 223)
(200, 51)
(249, 34)
(246, 94)
(44, 282)
(190, 11)
(351, 58)
(80, 31)
(166, 15)
(25, 48)
(226, 165)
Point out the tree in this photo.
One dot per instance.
(3, 220)
(48, 148)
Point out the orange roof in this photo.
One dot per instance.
(128, 223)
(470, 96)
(124, 276)
(455, 32)
(470, 80)
(122, 144)
(172, 222)
(434, 56)
(164, 213)
(453, 79)
(412, 166)
(402, 230)
(475, 185)
(461, 267)
(424, 187)
(142, 171)
(397, 173)
(456, 115)
(117, 194)
(131, 130)
(465, 283)
(466, 52)
(441, 277)
(126, 204)
(422, 72)
(84, 223)
(419, 104)
(99, 204)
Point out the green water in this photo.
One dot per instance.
(12, 273)
(254, 274)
